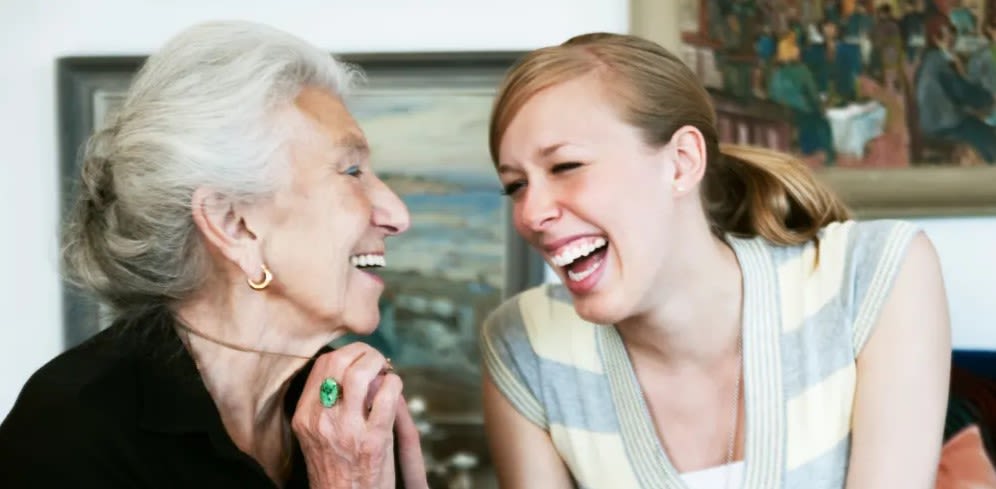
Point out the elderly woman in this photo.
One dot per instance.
(230, 216)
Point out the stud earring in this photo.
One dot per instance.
(262, 284)
(679, 188)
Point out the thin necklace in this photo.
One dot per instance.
(237, 347)
(736, 410)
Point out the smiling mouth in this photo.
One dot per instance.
(368, 262)
(582, 258)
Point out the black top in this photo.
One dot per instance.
(128, 408)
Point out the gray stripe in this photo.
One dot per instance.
(585, 404)
(503, 340)
(650, 464)
(881, 283)
(762, 368)
(820, 347)
(514, 392)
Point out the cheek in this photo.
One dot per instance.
(517, 221)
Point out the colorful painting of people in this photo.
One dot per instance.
(867, 82)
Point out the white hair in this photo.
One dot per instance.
(205, 111)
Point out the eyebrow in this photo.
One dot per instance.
(353, 143)
(543, 153)
(547, 151)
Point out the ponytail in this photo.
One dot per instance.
(753, 191)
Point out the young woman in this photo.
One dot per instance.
(721, 321)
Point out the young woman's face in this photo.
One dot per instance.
(590, 195)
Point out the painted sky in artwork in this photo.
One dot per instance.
(427, 132)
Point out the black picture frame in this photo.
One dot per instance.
(86, 84)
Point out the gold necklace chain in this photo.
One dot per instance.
(236, 347)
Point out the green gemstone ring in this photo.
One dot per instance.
(329, 392)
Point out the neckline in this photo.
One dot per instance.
(714, 468)
(764, 416)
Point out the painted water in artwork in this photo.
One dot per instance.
(851, 83)
(447, 272)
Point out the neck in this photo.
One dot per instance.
(248, 387)
(694, 317)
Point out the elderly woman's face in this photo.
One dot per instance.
(325, 228)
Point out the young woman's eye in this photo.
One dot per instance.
(354, 171)
(562, 167)
(511, 189)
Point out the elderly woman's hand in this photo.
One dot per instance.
(351, 444)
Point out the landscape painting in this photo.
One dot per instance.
(426, 120)
(448, 270)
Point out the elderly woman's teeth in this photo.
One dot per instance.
(368, 261)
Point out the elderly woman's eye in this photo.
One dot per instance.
(354, 171)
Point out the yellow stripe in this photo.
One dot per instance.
(557, 333)
(597, 460)
(819, 417)
(804, 289)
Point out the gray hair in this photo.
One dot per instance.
(206, 110)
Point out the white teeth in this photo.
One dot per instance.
(579, 276)
(368, 261)
(571, 253)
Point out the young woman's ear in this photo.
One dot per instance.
(688, 152)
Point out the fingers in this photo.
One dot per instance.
(409, 448)
(344, 442)
(385, 403)
(331, 364)
(358, 379)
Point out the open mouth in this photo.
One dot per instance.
(582, 258)
(368, 262)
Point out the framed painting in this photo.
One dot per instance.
(426, 118)
(891, 102)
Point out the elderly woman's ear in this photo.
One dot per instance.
(227, 228)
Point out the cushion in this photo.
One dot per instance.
(964, 463)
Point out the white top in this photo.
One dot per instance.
(716, 477)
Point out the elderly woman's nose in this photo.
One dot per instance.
(390, 212)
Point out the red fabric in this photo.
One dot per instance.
(964, 463)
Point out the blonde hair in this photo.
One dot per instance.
(746, 191)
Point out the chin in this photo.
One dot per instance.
(603, 309)
(364, 324)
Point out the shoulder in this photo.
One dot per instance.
(843, 276)
(67, 403)
(873, 237)
(531, 340)
(66, 379)
(873, 254)
(80, 412)
(542, 317)
(847, 246)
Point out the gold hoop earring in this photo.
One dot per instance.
(267, 278)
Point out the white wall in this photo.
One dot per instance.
(35, 32)
(967, 247)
